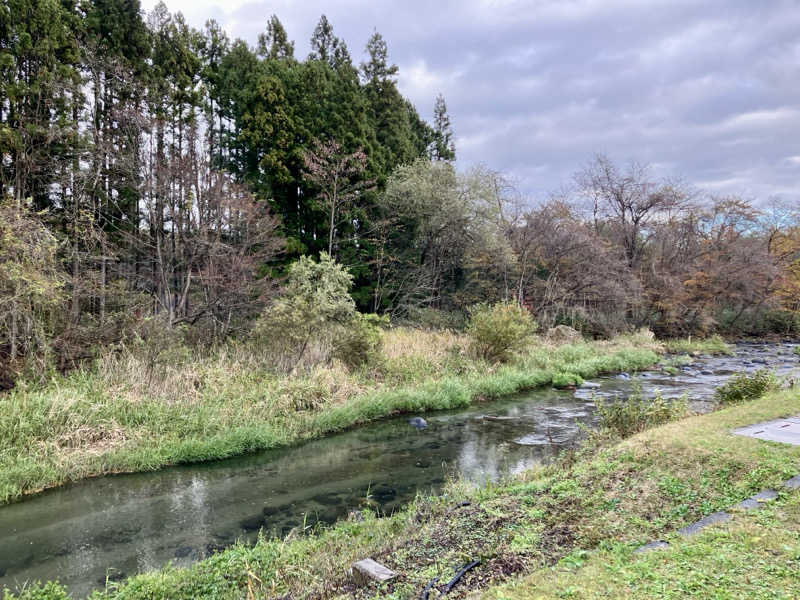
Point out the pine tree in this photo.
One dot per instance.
(400, 133)
(213, 45)
(274, 44)
(443, 147)
(38, 84)
(323, 42)
(377, 71)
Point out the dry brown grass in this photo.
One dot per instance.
(401, 342)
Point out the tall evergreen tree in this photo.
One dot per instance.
(400, 137)
(213, 46)
(274, 44)
(377, 71)
(443, 147)
(323, 42)
(38, 86)
(115, 50)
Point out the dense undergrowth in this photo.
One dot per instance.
(141, 409)
(558, 531)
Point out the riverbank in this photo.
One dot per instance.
(568, 527)
(135, 411)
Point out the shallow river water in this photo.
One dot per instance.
(117, 526)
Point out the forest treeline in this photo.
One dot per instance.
(155, 176)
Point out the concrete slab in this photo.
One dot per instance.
(793, 483)
(757, 500)
(786, 431)
(367, 570)
(713, 518)
(658, 544)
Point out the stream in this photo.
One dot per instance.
(113, 527)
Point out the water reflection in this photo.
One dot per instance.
(118, 526)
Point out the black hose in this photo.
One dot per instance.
(459, 575)
(427, 590)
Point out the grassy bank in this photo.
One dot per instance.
(139, 410)
(756, 556)
(568, 528)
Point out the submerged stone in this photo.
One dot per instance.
(328, 499)
(111, 576)
(214, 548)
(331, 515)
(418, 422)
(252, 523)
(383, 494)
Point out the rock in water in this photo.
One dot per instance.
(418, 422)
(366, 571)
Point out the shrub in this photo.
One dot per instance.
(314, 306)
(564, 380)
(759, 322)
(39, 591)
(626, 417)
(746, 386)
(499, 330)
(359, 342)
(31, 282)
(563, 334)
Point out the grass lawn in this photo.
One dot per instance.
(756, 555)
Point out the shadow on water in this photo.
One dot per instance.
(118, 526)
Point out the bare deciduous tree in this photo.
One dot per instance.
(624, 203)
(339, 177)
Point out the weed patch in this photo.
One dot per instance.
(712, 345)
(746, 386)
(636, 413)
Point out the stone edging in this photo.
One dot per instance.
(753, 502)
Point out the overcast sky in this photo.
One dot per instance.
(705, 90)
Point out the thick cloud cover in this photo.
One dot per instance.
(708, 91)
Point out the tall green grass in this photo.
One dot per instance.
(711, 345)
(109, 418)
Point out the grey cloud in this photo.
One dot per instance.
(709, 91)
